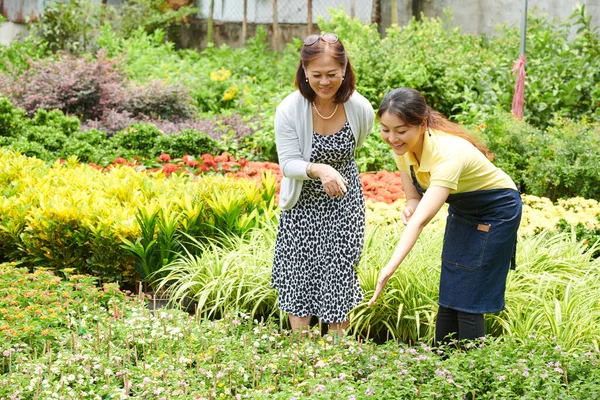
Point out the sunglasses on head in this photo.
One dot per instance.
(330, 38)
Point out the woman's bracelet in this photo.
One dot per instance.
(309, 171)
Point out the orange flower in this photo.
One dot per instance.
(164, 157)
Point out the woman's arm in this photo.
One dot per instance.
(428, 206)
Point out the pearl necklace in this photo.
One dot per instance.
(319, 114)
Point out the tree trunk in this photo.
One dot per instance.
(376, 12)
(275, 27)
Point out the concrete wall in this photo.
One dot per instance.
(10, 31)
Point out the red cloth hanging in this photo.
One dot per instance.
(518, 97)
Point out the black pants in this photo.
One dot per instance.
(462, 325)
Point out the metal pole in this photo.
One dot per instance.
(524, 27)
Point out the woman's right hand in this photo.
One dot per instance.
(333, 182)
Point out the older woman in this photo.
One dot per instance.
(321, 228)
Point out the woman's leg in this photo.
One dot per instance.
(463, 325)
(299, 324)
(338, 328)
(446, 323)
(470, 326)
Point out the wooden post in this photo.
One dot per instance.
(394, 13)
(209, 33)
(352, 8)
(309, 18)
(245, 23)
(275, 27)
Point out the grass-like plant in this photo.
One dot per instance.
(553, 293)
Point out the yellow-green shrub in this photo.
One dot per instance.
(71, 215)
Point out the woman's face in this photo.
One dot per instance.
(401, 136)
(324, 76)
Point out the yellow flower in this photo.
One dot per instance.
(230, 93)
(220, 75)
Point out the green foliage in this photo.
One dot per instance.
(188, 141)
(564, 161)
(375, 154)
(89, 146)
(557, 162)
(589, 236)
(12, 119)
(80, 321)
(16, 57)
(137, 139)
(70, 26)
(74, 26)
(510, 141)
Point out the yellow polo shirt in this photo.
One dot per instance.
(452, 162)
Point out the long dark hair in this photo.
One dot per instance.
(410, 106)
(337, 51)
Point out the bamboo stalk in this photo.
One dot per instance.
(275, 27)
(245, 23)
(309, 18)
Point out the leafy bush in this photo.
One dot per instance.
(137, 139)
(74, 26)
(12, 119)
(89, 146)
(188, 141)
(156, 100)
(74, 85)
(564, 161)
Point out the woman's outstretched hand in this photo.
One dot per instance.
(385, 274)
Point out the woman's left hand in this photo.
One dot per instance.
(385, 274)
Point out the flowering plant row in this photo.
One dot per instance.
(101, 343)
(382, 186)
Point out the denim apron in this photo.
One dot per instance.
(480, 244)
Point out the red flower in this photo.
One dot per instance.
(243, 162)
(192, 163)
(120, 160)
(164, 157)
(169, 168)
(221, 158)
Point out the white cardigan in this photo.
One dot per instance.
(293, 138)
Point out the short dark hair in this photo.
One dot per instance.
(337, 51)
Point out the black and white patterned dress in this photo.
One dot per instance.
(320, 240)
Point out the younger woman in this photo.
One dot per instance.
(440, 162)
